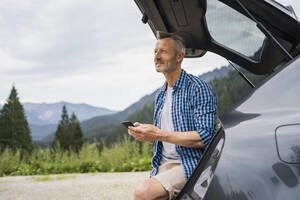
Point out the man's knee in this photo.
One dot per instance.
(150, 189)
(142, 191)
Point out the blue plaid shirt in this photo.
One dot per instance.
(194, 108)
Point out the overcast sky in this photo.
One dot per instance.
(82, 51)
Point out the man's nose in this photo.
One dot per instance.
(157, 56)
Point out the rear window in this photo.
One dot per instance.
(233, 30)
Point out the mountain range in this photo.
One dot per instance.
(50, 113)
(98, 122)
(99, 126)
(44, 117)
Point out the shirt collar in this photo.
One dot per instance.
(179, 83)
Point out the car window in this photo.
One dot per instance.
(234, 30)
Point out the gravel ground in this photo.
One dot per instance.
(71, 186)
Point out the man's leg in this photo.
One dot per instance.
(151, 189)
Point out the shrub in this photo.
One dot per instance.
(125, 156)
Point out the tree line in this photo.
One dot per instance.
(68, 153)
(112, 150)
(15, 132)
(229, 90)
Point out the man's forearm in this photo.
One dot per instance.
(148, 133)
(187, 139)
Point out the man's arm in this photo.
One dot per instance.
(149, 132)
(204, 112)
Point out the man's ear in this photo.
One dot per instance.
(180, 57)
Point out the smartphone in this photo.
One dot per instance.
(127, 123)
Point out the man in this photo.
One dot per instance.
(184, 122)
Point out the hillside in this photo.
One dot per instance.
(229, 89)
(109, 127)
(38, 132)
(114, 132)
(97, 122)
(216, 73)
(44, 117)
(49, 113)
(104, 122)
(117, 117)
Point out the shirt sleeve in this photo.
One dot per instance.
(205, 112)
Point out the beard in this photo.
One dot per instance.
(165, 67)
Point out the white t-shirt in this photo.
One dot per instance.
(169, 152)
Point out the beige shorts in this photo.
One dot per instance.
(171, 177)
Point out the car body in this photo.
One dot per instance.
(255, 153)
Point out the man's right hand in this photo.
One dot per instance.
(138, 132)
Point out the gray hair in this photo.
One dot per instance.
(178, 40)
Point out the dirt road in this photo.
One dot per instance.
(71, 186)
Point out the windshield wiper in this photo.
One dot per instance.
(265, 30)
(242, 75)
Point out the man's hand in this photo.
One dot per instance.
(149, 132)
(144, 132)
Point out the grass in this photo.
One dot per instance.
(119, 186)
(63, 177)
(116, 186)
(4, 181)
(127, 156)
(43, 178)
(52, 178)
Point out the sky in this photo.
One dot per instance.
(82, 51)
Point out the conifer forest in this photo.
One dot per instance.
(108, 149)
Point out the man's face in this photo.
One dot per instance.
(165, 55)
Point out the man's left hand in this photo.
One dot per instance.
(144, 132)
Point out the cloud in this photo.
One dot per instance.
(93, 51)
(66, 34)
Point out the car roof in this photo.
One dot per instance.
(289, 10)
(198, 23)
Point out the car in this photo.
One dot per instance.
(255, 154)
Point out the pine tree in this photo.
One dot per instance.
(68, 134)
(77, 140)
(14, 129)
(62, 134)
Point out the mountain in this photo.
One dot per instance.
(38, 132)
(109, 127)
(115, 132)
(100, 121)
(216, 73)
(44, 117)
(117, 117)
(49, 113)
